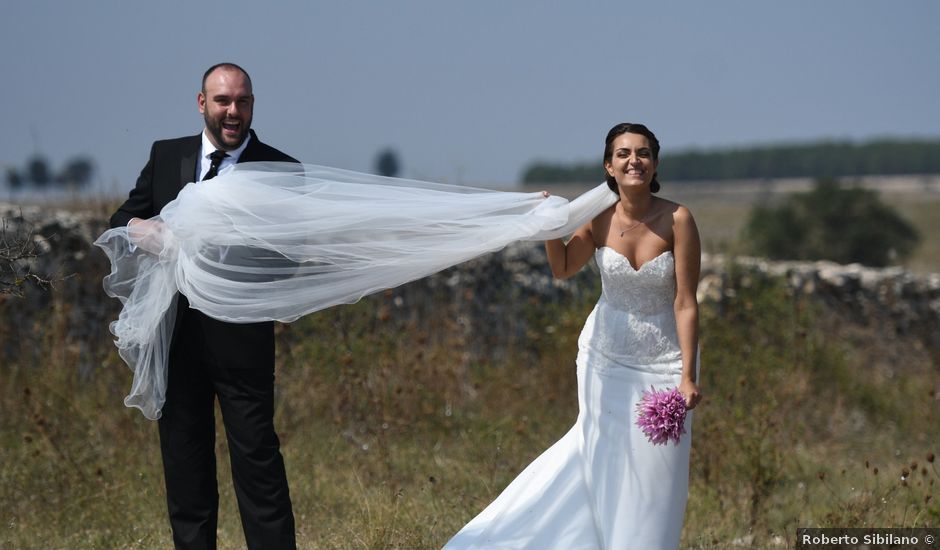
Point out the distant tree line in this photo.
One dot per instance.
(811, 160)
(39, 174)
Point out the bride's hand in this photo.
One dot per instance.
(690, 391)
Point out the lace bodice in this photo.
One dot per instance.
(647, 290)
(634, 324)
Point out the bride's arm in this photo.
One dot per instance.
(567, 259)
(687, 249)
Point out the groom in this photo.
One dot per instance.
(210, 358)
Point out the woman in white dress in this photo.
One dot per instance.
(604, 485)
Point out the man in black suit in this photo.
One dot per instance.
(210, 358)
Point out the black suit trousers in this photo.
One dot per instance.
(187, 443)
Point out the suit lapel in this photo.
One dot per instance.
(248, 155)
(188, 161)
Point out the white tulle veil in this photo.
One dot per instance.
(275, 241)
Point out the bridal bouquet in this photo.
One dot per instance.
(661, 415)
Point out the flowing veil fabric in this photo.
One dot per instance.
(275, 241)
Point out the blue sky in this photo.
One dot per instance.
(465, 92)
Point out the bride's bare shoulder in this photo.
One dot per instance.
(600, 223)
(680, 213)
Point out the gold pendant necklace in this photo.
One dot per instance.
(632, 227)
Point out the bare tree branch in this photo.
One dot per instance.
(17, 250)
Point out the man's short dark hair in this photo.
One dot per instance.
(220, 66)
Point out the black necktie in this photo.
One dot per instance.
(216, 158)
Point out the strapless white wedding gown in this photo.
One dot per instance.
(603, 485)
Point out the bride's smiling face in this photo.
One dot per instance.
(631, 162)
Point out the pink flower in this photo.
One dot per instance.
(661, 415)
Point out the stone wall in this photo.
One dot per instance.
(62, 241)
(892, 298)
(493, 290)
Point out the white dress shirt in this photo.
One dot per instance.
(208, 148)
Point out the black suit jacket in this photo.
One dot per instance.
(172, 165)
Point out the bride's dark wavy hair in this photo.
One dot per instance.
(624, 128)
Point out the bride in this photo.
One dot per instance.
(604, 485)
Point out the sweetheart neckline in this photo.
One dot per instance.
(629, 263)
